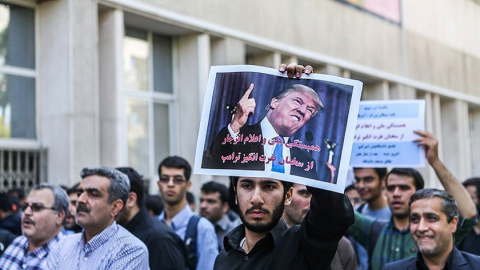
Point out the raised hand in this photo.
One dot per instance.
(430, 143)
(294, 69)
(245, 107)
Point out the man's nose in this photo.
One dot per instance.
(257, 196)
(422, 225)
(396, 192)
(81, 198)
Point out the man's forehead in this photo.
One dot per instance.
(299, 187)
(213, 194)
(44, 195)
(172, 171)
(258, 179)
(400, 180)
(94, 182)
(365, 172)
(427, 205)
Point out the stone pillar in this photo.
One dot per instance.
(112, 114)
(474, 143)
(375, 91)
(193, 65)
(397, 91)
(272, 60)
(455, 127)
(67, 86)
(228, 51)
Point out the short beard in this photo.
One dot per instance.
(265, 228)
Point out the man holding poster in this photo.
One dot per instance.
(287, 112)
(263, 240)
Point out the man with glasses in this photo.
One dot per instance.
(174, 182)
(42, 220)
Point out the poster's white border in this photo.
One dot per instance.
(348, 139)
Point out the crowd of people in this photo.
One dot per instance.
(385, 220)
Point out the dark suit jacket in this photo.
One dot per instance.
(212, 157)
(460, 261)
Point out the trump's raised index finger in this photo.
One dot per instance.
(247, 93)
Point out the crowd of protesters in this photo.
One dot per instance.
(385, 220)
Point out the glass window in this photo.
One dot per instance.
(17, 90)
(148, 68)
(137, 134)
(135, 59)
(17, 36)
(162, 64)
(161, 132)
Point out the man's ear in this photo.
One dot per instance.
(454, 224)
(273, 103)
(225, 207)
(288, 196)
(132, 200)
(61, 218)
(189, 184)
(117, 206)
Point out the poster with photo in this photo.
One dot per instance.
(256, 122)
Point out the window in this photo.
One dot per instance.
(17, 72)
(149, 95)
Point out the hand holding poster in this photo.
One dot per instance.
(257, 122)
(384, 134)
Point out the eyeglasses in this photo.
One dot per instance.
(36, 207)
(356, 200)
(177, 180)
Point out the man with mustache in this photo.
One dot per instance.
(42, 220)
(433, 222)
(288, 111)
(264, 241)
(102, 244)
(391, 240)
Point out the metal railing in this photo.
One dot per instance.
(22, 168)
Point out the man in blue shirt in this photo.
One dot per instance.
(174, 174)
(102, 244)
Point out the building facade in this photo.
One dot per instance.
(121, 82)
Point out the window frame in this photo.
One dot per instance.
(152, 97)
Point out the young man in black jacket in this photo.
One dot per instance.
(264, 241)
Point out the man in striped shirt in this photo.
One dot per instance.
(102, 244)
(42, 220)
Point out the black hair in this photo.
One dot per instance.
(449, 206)
(154, 203)
(178, 163)
(381, 172)
(190, 198)
(17, 192)
(350, 187)
(5, 202)
(136, 183)
(417, 177)
(73, 189)
(212, 187)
